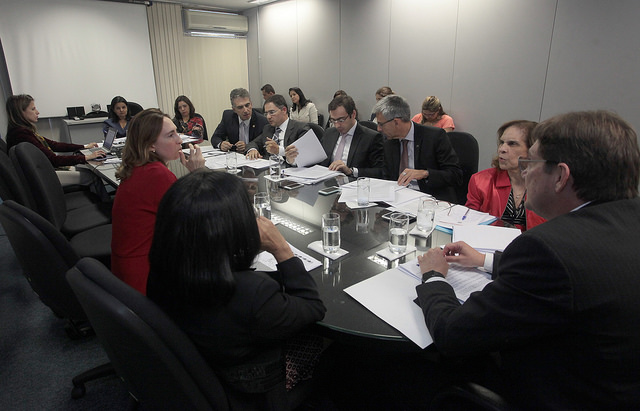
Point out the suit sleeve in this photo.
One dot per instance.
(219, 134)
(285, 307)
(448, 172)
(375, 159)
(527, 301)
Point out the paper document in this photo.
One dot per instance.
(310, 175)
(380, 190)
(269, 261)
(390, 296)
(310, 150)
(459, 215)
(485, 238)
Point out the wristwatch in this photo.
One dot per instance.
(430, 274)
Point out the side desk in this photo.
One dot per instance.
(84, 131)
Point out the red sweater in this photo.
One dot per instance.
(23, 134)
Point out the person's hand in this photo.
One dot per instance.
(225, 146)
(272, 241)
(433, 260)
(95, 154)
(463, 254)
(253, 154)
(195, 161)
(240, 146)
(339, 165)
(271, 146)
(291, 152)
(411, 174)
(91, 145)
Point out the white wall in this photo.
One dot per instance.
(489, 61)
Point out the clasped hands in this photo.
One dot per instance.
(438, 259)
(240, 146)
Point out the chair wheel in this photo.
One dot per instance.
(78, 392)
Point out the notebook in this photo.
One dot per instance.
(106, 146)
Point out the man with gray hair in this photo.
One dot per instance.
(415, 155)
(240, 125)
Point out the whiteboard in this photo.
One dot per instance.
(77, 52)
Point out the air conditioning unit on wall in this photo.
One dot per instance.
(209, 21)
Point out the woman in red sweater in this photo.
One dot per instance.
(152, 141)
(500, 190)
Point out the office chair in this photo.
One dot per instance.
(317, 129)
(369, 124)
(205, 136)
(469, 397)
(159, 364)
(466, 147)
(11, 187)
(3, 144)
(134, 108)
(39, 176)
(321, 120)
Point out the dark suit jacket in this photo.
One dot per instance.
(248, 334)
(563, 312)
(229, 127)
(365, 153)
(295, 130)
(432, 152)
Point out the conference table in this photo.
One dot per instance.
(298, 215)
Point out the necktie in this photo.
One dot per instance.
(276, 135)
(340, 150)
(404, 157)
(243, 132)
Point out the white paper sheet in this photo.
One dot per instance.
(485, 238)
(310, 150)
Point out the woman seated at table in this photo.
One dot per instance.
(433, 115)
(381, 93)
(23, 116)
(119, 117)
(144, 178)
(500, 190)
(187, 120)
(205, 241)
(302, 109)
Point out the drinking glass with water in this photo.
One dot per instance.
(275, 167)
(262, 205)
(232, 162)
(398, 232)
(331, 232)
(426, 213)
(364, 190)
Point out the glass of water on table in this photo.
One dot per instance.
(262, 205)
(398, 232)
(331, 232)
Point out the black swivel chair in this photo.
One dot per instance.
(159, 364)
(369, 124)
(321, 120)
(469, 397)
(466, 147)
(3, 144)
(11, 187)
(317, 129)
(39, 176)
(134, 108)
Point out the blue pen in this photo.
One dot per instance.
(465, 214)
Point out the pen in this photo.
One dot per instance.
(465, 214)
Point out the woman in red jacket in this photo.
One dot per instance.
(500, 190)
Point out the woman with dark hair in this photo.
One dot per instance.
(500, 190)
(119, 117)
(205, 241)
(187, 120)
(23, 116)
(302, 109)
(144, 178)
(433, 115)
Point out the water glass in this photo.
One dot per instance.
(398, 232)
(232, 162)
(426, 213)
(362, 220)
(364, 189)
(331, 232)
(275, 167)
(262, 204)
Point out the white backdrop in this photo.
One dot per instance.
(77, 52)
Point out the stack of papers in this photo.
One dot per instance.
(459, 215)
(267, 261)
(214, 161)
(486, 239)
(390, 296)
(381, 190)
(310, 175)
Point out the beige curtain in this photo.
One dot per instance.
(202, 68)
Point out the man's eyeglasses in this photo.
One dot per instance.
(271, 112)
(385, 122)
(523, 163)
(338, 120)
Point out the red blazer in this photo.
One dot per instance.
(489, 192)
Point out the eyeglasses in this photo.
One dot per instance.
(385, 122)
(523, 163)
(271, 112)
(338, 120)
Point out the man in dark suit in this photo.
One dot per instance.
(351, 148)
(564, 307)
(240, 125)
(278, 136)
(428, 163)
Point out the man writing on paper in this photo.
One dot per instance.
(351, 148)
(415, 155)
(277, 136)
(564, 308)
(239, 125)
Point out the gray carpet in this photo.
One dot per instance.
(37, 359)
